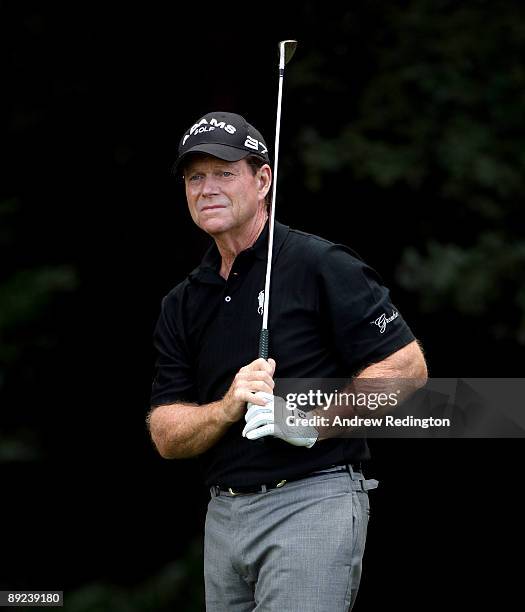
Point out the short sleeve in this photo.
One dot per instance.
(356, 307)
(173, 380)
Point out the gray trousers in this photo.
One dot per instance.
(296, 548)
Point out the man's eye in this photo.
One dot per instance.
(226, 173)
(195, 177)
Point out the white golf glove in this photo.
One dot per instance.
(270, 420)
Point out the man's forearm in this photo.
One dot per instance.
(379, 390)
(185, 430)
(401, 375)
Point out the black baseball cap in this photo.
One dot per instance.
(227, 136)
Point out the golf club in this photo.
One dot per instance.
(286, 51)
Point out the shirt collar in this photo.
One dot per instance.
(210, 265)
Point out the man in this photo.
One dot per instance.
(287, 518)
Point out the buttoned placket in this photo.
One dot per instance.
(232, 282)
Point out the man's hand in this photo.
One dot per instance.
(254, 377)
(274, 419)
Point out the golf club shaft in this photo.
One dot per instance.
(264, 336)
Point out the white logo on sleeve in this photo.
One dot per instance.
(383, 320)
(260, 297)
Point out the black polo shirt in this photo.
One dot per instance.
(328, 313)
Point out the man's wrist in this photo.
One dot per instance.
(321, 427)
(224, 411)
(324, 421)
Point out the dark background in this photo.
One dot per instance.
(402, 136)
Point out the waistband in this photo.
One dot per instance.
(353, 469)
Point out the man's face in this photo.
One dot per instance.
(223, 196)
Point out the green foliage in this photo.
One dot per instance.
(26, 297)
(473, 280)
(179, 586)
(26, 293)
(428, 97)
(20, 446)
(23, 298)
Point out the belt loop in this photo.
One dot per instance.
(350, 470)
(214, 491)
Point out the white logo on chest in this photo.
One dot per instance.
(260, 297)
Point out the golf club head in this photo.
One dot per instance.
(287, 49)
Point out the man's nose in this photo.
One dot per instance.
(210, 185)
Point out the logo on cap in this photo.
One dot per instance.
(204, 126)
(225, 135)
(253, 143)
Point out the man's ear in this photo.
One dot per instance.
(264, 178)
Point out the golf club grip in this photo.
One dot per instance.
(263, 344)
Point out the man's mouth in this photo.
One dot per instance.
(212, 207)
